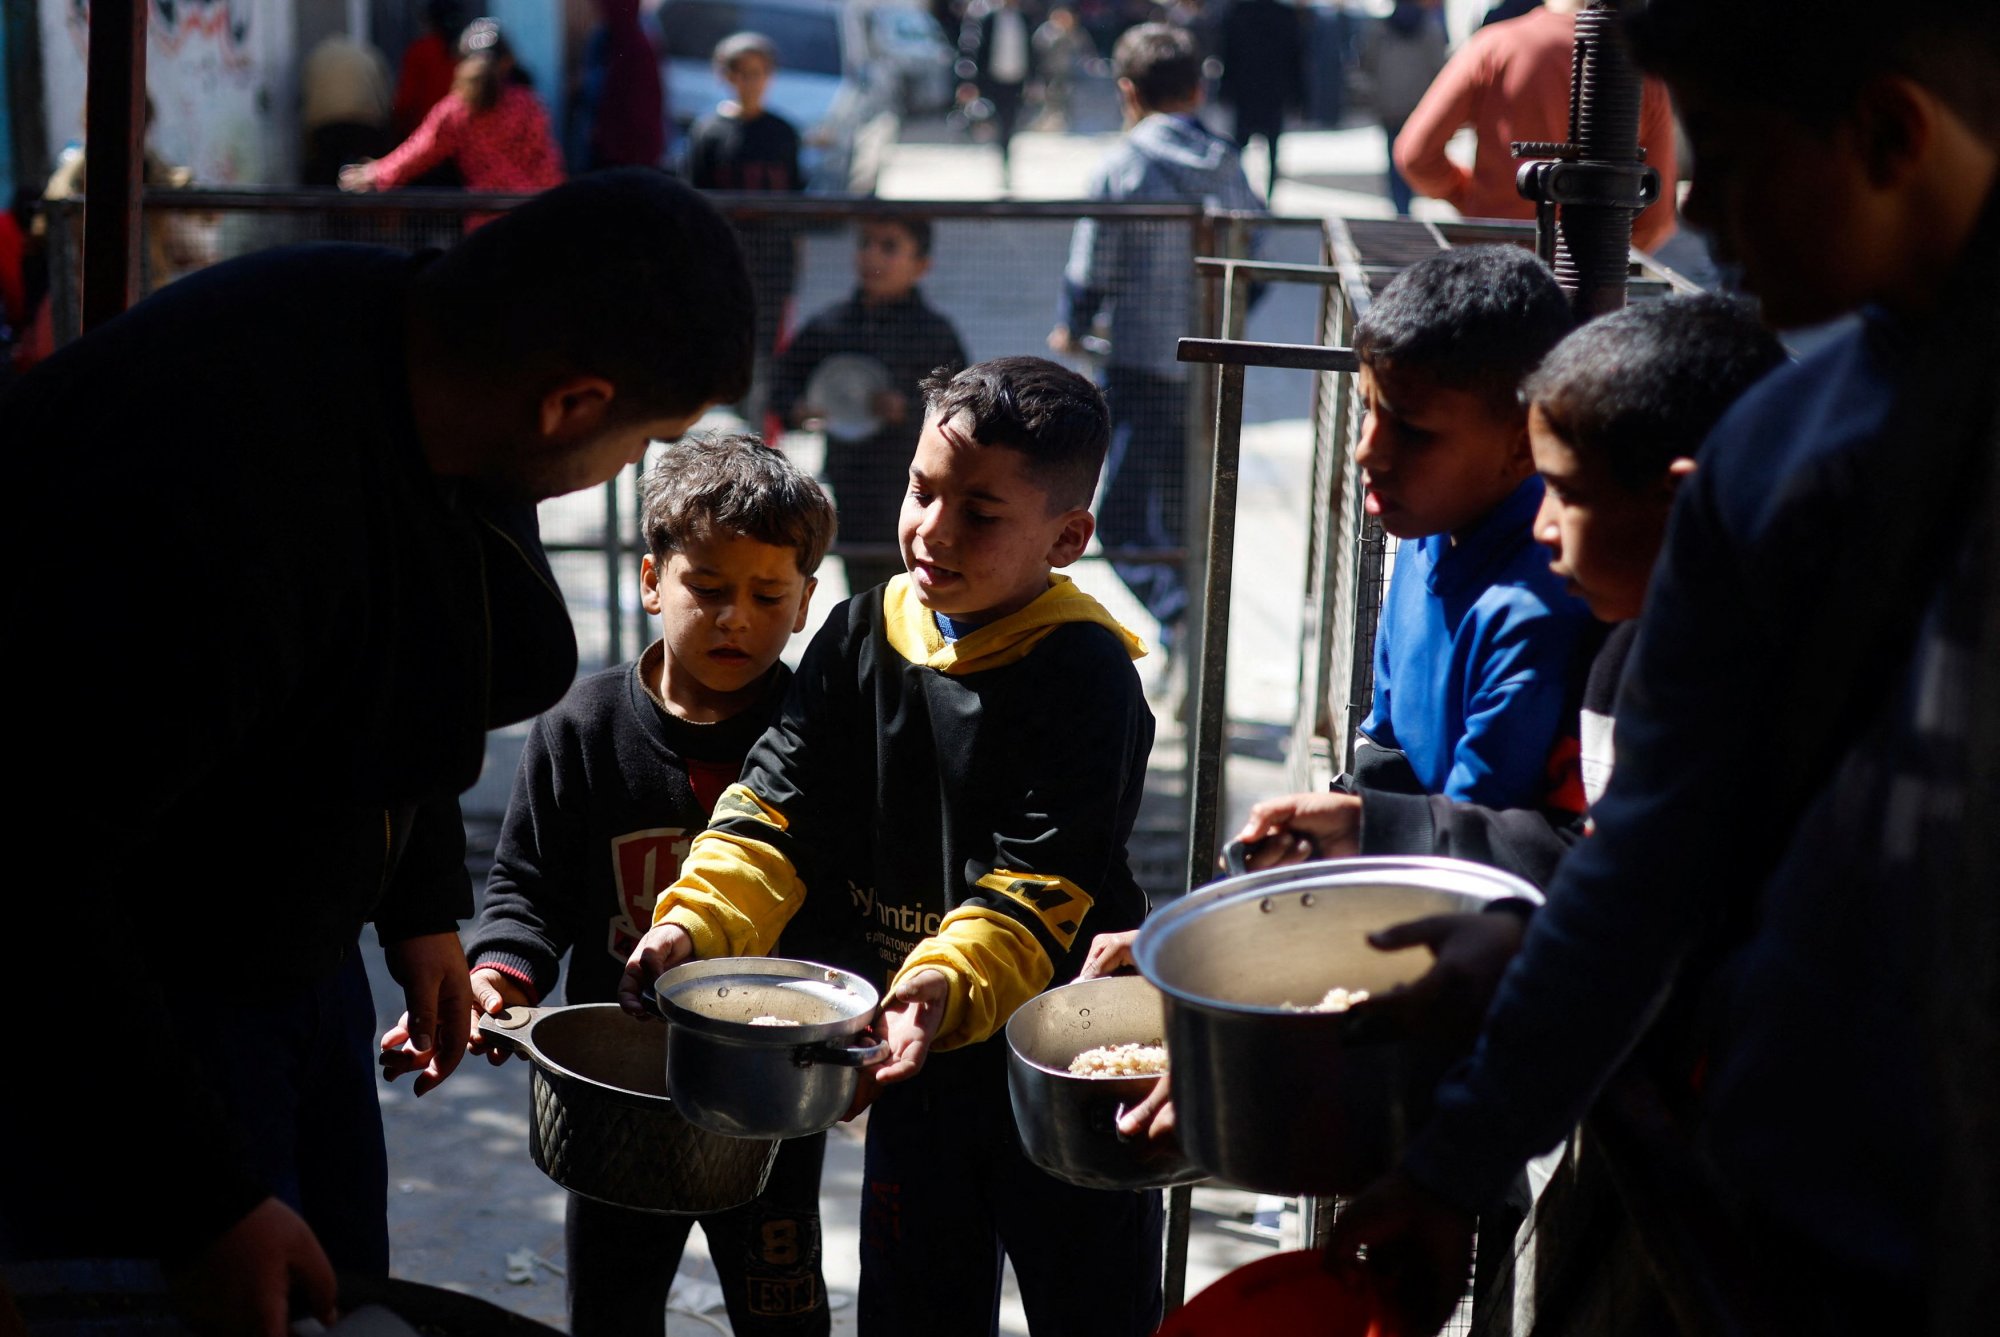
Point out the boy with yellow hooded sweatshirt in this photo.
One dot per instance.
(943, 807)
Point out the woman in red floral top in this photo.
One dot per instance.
(491, 125)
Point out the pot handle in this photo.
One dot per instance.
(1235, 858)
(845, 1056)
(508, 1031)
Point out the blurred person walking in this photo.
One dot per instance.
(1260, 44)
(1062, 49)
(999, 44)
(1510, 83)
(491, 124)
(1129, 274)
(1403, 55)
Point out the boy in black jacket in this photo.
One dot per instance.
(943, 806)
(887, 320)
(613, 784)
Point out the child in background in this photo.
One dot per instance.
(743, 145)
(491, 124)
(1130, 273)
(943, 807)
(886, 319)
(1478, 640)
(613, 784)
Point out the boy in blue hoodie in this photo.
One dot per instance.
(1478, 641)
(1130, 270)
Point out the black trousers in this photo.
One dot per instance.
(947, 1190)
(767, 1256)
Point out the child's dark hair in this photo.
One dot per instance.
(708, 485)
(914, 226)
(1038, 407)
(1642, 387)
(738, 45)
(1162, 61)
(1475, 318)
(628, 274)
(486, 64)
(1811, 59)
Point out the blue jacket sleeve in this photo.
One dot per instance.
(1516, 708)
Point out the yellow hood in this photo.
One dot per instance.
(914, 632)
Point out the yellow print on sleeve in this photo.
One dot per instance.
(1058, 903)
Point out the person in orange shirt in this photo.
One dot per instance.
(1510, 83)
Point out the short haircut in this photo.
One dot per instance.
(1043, 409)
(738, 45)
(1810, 60)
(915, 226)
(713, 485)
(1161, 60)
(1642, 387)
(628, 274)
(1475, 318)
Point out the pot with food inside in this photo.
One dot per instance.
(1287, 1077)
(1077, 1057)
(764, 1046)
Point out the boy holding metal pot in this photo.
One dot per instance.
(1615, 415)
(613, 784)
(943, 808)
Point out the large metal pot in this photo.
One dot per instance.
(1285, 1101)
(603, 1126)
(1068, 1124)
(733, 1074)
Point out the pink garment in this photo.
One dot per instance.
(507, 147)
(1510, 82)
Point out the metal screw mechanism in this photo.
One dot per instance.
(1599, 177)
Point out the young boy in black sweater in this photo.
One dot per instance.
(613, 784)
(943, 806)
(888, 320)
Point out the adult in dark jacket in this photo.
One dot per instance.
(1262, 75)
(334, 589)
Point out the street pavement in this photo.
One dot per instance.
(468, 1210)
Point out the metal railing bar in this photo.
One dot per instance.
(1247, 353)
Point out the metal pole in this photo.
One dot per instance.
(115, 156)
(614, 569)
(1180, 1211)
(1205, 793)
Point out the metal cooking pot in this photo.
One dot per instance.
(602, 1124)
(1068, 1124)
(731, 1075)
(1284, 1101)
